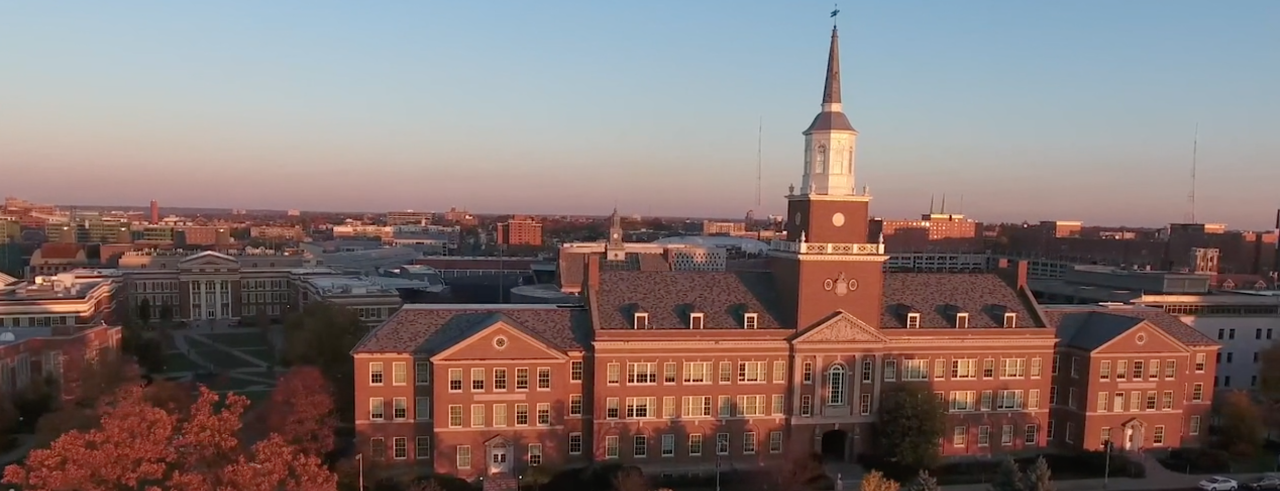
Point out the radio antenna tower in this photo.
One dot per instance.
(759, 165)
(1191, 197)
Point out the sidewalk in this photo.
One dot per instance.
(1154, 482)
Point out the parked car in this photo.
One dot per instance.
(1219, 483)
(1268, 481)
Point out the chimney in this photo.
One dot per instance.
(593, 270)
(1003, 263)
(1022, 274)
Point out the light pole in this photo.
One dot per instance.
(360, 462)
(1106, 473)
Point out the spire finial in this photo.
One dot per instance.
(930, 204)
(831, 92)
(834, 12)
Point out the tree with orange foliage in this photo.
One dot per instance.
(302, 412)
(141, 446)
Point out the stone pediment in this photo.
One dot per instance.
(209, 259)
(843, 328)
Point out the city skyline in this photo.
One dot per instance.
(284, 111)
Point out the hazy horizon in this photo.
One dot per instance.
(1081, 111)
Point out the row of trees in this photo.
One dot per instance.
(118, 432)
(1009, 478)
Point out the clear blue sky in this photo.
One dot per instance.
(1030, 109)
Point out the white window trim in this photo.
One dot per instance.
(1010, 319)
(751, 320)
(697, 320)
(962, 320)
(640, 320)
(913, 320)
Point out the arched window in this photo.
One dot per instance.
(835, 385)
(821, 162)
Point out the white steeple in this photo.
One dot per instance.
(830, 141)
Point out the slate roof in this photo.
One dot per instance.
(53, 250)
(429, 330)
(938, 296)
(1089, 327)
(573, 269)
(669, 296)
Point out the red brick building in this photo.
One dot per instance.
(1136, 376)
(677, 371)
(520, 231)
(51, 325)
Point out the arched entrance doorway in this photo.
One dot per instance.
(1134, 435)
(835, 445)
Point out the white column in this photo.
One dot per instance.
(855, 375)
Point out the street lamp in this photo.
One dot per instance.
(1106, 473)
(360, 462)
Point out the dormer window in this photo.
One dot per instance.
(641, 320)
(750, 320)
(1010, 319)
(962, 320)
(695, 320)
(913, 320)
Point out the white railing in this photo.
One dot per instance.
(833, 248)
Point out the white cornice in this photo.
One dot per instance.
(828, 197)
(698, 345)
(829, 257)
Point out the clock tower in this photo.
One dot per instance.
(828, 261)
(615, 248)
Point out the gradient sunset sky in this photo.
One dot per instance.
(1030, 109)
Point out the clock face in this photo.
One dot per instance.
(615, 236)
(797, 218)
(837, 219)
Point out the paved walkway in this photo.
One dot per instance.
(1172, 481)
(197, 342)
(1158, 478)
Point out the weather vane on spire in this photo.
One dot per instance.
(834, 13)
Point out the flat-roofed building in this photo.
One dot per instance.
(369, 298)
(520, 231)
(68, 301)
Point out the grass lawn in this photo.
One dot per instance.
(239, 339)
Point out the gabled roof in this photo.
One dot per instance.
(1090, 326)
(937, 297)
(670, 296)
(429, 329)
(205, 254)
(1090, 330)
(55, 250)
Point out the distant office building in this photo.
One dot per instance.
(1061, 228)
(520, 231)
(294, 234)
(409, 217)
(10, 230)
(461, 217)
(723, 228)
